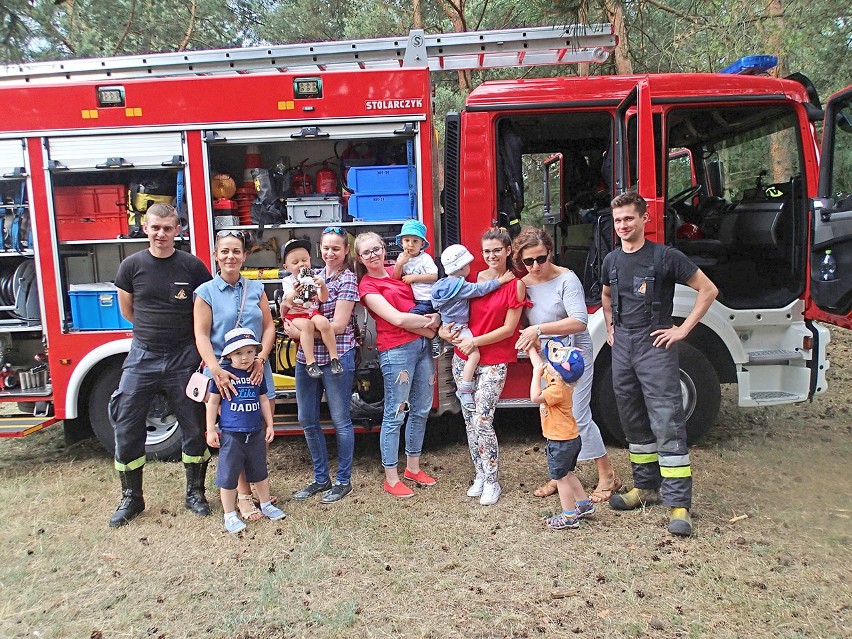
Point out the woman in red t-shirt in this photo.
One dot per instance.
(405, 355)
(494, 323)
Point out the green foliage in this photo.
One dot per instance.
(664, 35)
(93, 28)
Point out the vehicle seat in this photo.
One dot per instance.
(703, 252)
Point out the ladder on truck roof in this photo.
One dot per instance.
(521, 47)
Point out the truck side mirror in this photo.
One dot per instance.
(714, 178)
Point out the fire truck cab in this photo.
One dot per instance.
(730, 167)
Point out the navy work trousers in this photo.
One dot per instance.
(646, 381)
(145, 372)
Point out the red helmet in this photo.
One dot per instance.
(689, 232)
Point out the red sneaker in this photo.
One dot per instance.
(420, 477)
(399, 490)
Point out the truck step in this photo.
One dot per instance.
(516, 403)
(288, 424)
(22, 425)
(773, 357)
(775, 397)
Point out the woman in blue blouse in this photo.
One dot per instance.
(217, 307)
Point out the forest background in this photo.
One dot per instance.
(810, 36)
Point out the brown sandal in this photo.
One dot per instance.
(249, 515)
(603, 494)
(546, 490)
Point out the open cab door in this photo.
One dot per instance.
(830, 298)
(634, 155)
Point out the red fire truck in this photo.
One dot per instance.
(342, 133)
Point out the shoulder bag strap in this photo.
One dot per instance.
(243, 303)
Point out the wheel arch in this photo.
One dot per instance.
(82, 375)
(715, 350)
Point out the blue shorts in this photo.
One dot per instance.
(562, 456)
(241, 451)
(422, 307)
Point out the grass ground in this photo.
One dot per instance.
(440, 565)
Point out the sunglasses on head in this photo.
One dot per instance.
(333, 229)
(232, 233)
(541, 259)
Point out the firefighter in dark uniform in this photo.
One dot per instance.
(155, 290)
(638, 294)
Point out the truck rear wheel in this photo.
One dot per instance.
(164, 434)
(702, 395)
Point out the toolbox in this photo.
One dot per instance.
(379, 208)
(96, 212)
(314, 209)
(94, 307)
(378, 180)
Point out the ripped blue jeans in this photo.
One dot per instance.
(409, 373)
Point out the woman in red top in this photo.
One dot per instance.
(405, 354)
(494, 323)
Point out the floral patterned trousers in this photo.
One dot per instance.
(479, 424)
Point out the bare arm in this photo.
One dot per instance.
(322, 289)
(343, 310)
(566, 326)
(125, 304)
(513, 316)
(606, 302)
(425, 278)
(401, 261)
(267, 340)
(202, 318)
(384, 309)
(266, 411)
(707, 292)
(212, 412)
(538, 369)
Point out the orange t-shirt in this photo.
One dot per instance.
(557, 417)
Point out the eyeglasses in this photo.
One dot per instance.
(541, 259)
(368, 253)
(333, 229)
(497, 251)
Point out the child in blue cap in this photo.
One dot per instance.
(415, 267)
(564, 366)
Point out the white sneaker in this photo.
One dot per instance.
(476, 489)
(490, 494)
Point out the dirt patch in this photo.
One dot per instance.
(440, 565)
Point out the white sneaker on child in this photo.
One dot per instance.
(490, 494)
(478, 484)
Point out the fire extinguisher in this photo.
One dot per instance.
(326, 180)
(301, 183)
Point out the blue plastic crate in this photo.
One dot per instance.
(94, 307)
(379, 180)
(375, 208)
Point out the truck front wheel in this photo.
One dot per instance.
(164, 436)
(699, 386)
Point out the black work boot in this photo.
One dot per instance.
(195, 499)
(132, 503)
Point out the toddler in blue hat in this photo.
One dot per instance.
(560, 366)
(415, 267)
